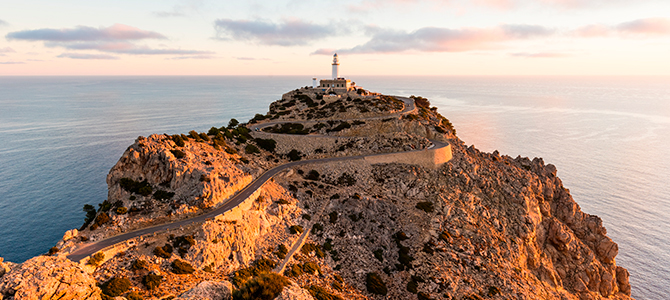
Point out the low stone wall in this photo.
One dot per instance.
(432, 158)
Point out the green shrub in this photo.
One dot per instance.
(289, 128)
(105, 206)
(214, 131)
(375, 284)
(121, 210)
(296, 229)
(251, 149)
(333, 217)
(178, 154)
(266, 286)
(136, 187)
(412, 287)
(138, 264)
(116, 286)
(134, 296)
(283, 201)
(313, 175)
(194, 135)
(262, 265)
(266, 144)
(204, 136)
(96, 259)
(317, 227)
(426, 206)
(182, 267)
(320, 293)
(294, 155)
(90, 214)
(101, 219)
(152, 281)
(233, 123)
(53, 250)
(346, 179)
(307, 248)
(307, 217)
(163, 195)
(178, 140)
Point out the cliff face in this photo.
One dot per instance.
(481, 225)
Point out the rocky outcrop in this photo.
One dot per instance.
(45, 277)
(294, 292)
(209, 290)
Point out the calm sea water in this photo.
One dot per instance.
(609, 138)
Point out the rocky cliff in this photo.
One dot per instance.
(482, 225)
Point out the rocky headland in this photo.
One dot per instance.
(418, 223)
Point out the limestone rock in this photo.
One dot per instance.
(46, 277)
(209, 290)
(70, 234)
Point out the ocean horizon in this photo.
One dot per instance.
(608, 136)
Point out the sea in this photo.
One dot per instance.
(609, 137)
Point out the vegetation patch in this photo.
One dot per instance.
(375, 284)
(143, 188)
(251, 149)
(426, 206)
(163, 195)
(138, 264)
(308, 248)
(178, 154)
(320, 293)
(266, 286)
(116, 286)
(296, 229)
(178, 140)
(152, 281)
(96, 259)
(288, 128)
(164, 252)
(281, 251)
(266, 144)
(182, 267)
(260, 266)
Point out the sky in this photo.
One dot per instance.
(371, 37)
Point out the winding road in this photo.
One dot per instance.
(88, 249)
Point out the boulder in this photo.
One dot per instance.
(294, 292)
(47, 277)
(209, 290)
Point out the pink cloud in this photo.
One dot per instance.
(649, 26)
(117, 32)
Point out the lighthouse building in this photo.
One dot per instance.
(337, 84)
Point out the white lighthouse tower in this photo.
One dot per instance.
(336, 67)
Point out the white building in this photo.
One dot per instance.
(337, 84)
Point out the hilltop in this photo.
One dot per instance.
(398, 207)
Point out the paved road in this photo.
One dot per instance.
(236, 200)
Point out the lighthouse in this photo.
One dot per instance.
(336, 67)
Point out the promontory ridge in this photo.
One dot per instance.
(335, 193)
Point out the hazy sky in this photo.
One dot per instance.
(372, 37)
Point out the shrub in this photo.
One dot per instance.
(101, 219)
(266, 144)
(307, 248)
(145, 191)
(116, 286)
(134, 296)
(164, 252)
(233, 123)
(213, 131)
(283, 201)
(181, 267)
(307, 217)
(90, 214)
(375, 284)
(333, 217)
(379, 254)
(296, 229)
(294, 270)
(340, 127)
(152, 281)
(121, 210)
(204, 136)
(317, 227)
(178, 140)
(250, 149)
(281, 251)
(136, 187)
(312, 175)
(96, 259)
(346, 179)
(320, 293)
(425, 206)
(53, 250)
(294, 155)
(163, 195)
(105, 206)
(262, 265)
(421, 101)
(138, 264)
(266, 286)
(178, 154)
(312, 268)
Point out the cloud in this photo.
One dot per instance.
(639, 28)
(126, 48)
(539, 54)
(3, 23)
(86, 56)
(167, 14)
(116, 32)
(435, 39)
(7, 50)
(193, 57)
(11, 63)
(286, 33)
(250, 58)
(649, 26)
(181, 10)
